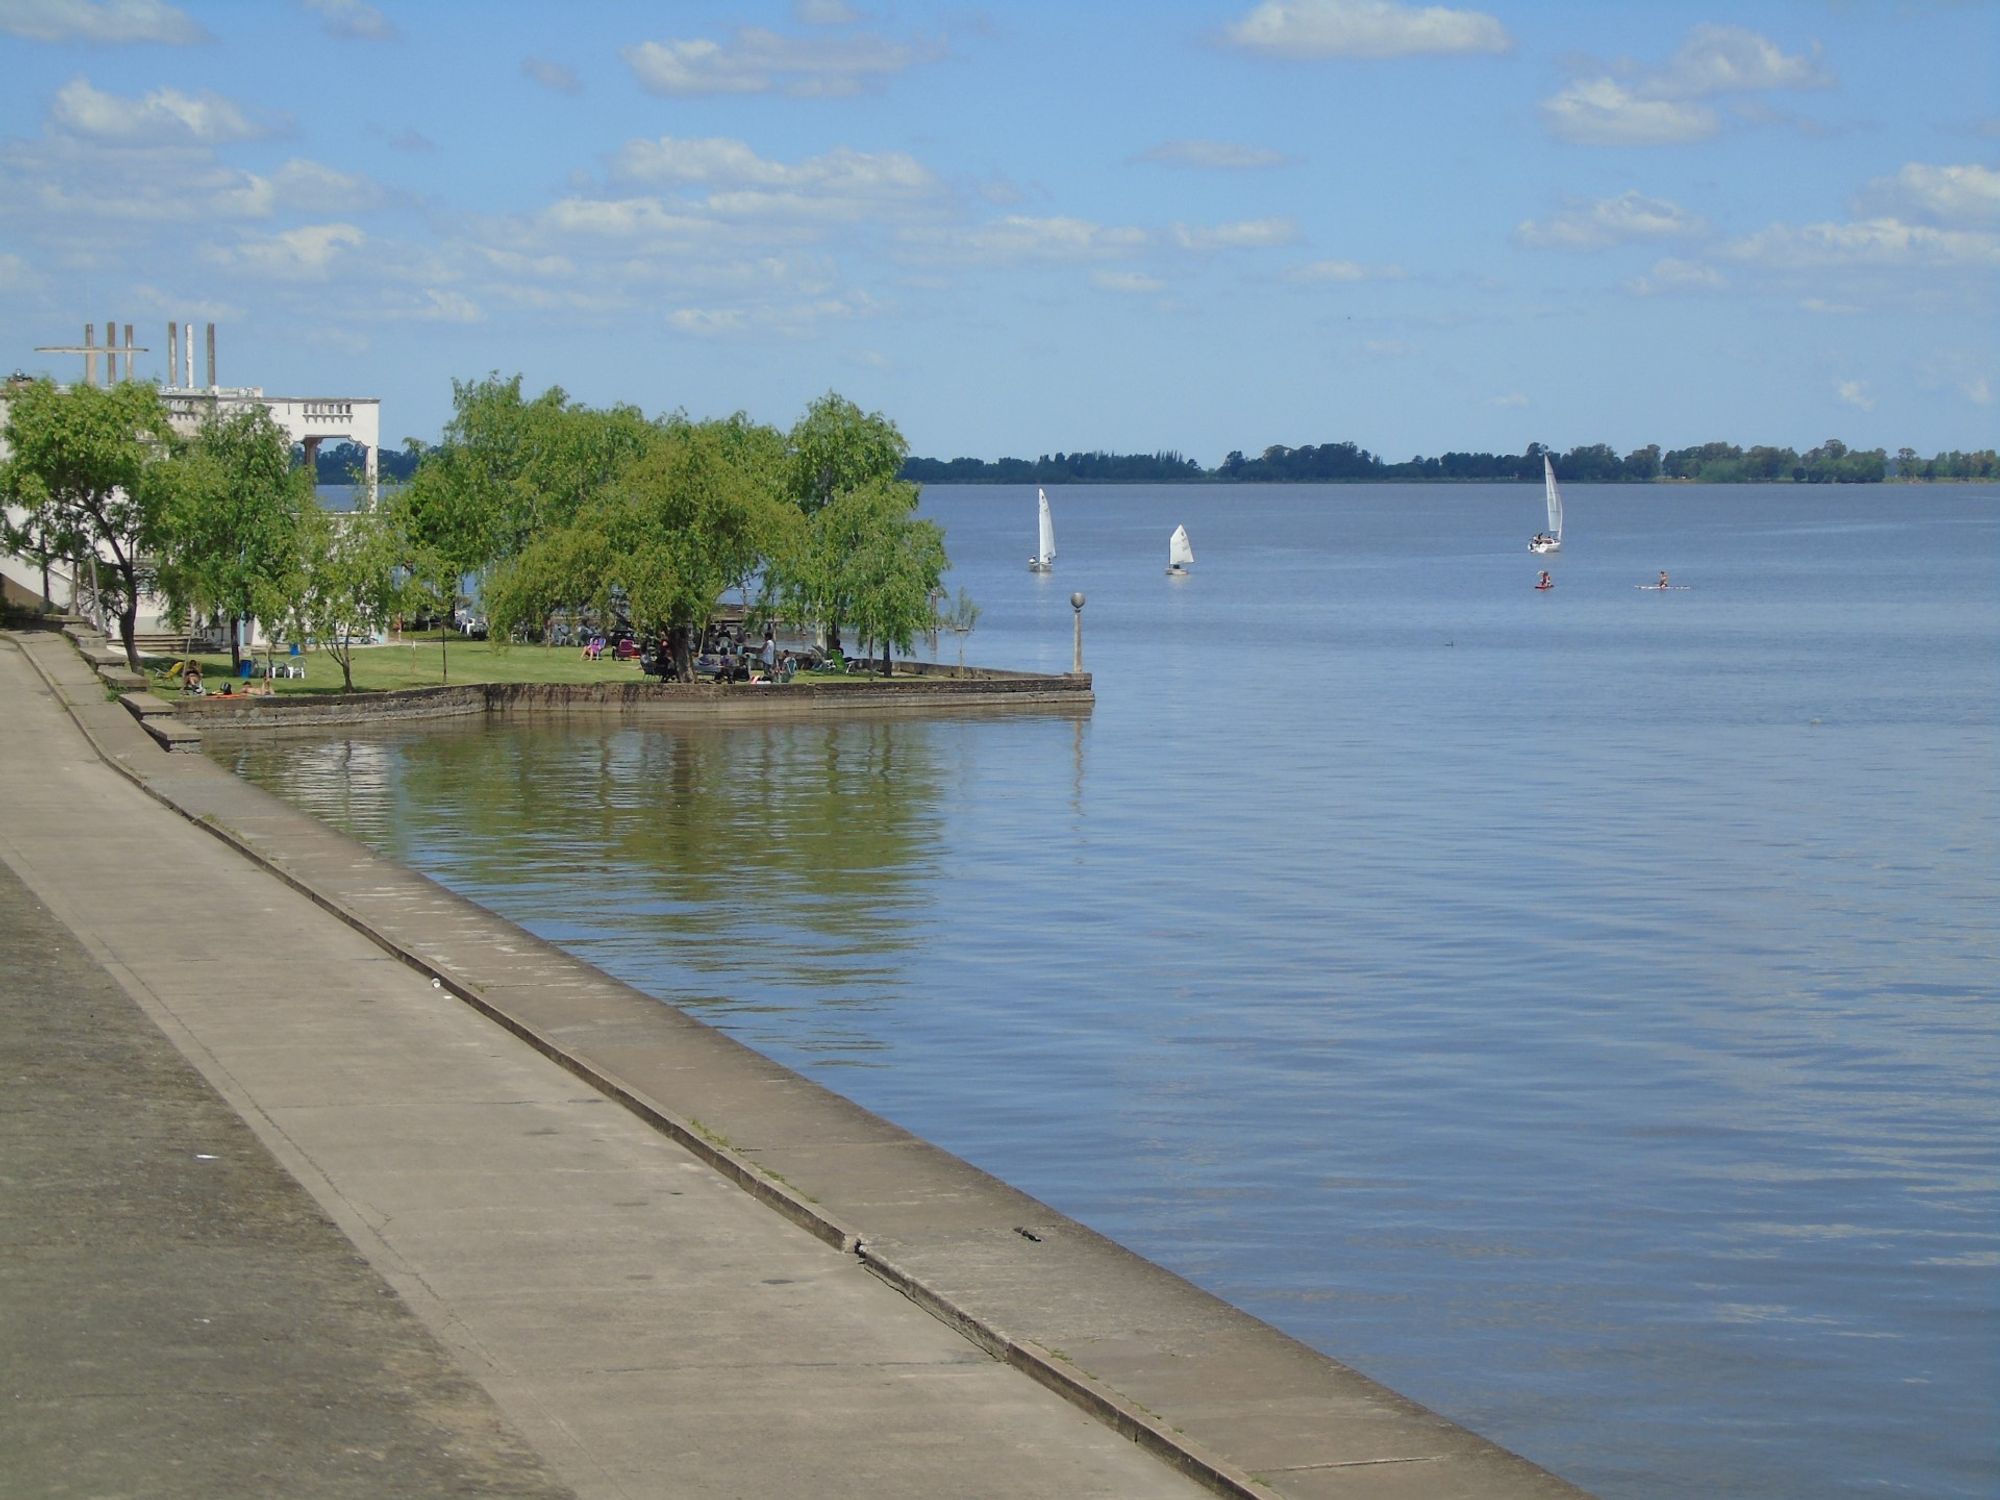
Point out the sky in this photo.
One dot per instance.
(1039, 227)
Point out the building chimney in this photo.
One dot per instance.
(173, 351)
(90, 354)
(187, 353)
(211, 356)
(128, 351)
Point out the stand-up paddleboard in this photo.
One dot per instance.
(1662, 588)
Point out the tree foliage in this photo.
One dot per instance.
(83, 474)
(347, 582)
(857, 557)
(692, 513)
(232, 522)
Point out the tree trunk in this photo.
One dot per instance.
(128, 627)
(681, 652)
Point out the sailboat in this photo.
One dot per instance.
(1552, 539)
(1180, 552)
(1044, 560)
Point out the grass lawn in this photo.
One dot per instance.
(419, 661)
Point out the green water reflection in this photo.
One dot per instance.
(795, 854)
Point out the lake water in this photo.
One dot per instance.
(1575, 1009)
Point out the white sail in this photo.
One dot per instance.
(1045, 535)
(1180, 551)
(1552, 539)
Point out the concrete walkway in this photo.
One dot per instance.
(559, 1199)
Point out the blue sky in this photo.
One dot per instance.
(1040, 226)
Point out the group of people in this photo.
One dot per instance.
(193, 687)
(735, 664)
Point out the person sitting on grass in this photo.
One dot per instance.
(191, 679)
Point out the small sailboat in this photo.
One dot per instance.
(1180, 552)
(1552, 539)
(1044, 560)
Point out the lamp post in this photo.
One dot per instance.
(1076, 603)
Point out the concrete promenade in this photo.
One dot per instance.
(602, 1249)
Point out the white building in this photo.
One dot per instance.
(308, 420)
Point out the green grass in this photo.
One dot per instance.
(416, 661)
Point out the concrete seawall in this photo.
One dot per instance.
(919, 688)
(1215, 1394)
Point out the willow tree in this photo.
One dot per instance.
(696, 511)
(83, 485)
(858, 558)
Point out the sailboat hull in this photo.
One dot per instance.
(1545, 546)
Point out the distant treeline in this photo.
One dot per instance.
(338, 463)
(1832, 462)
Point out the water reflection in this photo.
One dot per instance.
(797, 856)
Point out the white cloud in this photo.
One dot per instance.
(1735, 60)
(719, 162)
(101, 21)
(1020, 239)
(1603, 112)
(1664, 106)
(441, 306)
(1872, 242)
(165, 117)
(557, 77)
(1224, 156)
(305, 254)
(308, 184)
(1673, 275)
(1321, 271)
(625, 219)
(1128, 282)
(352, 20)
(1249, 234)
(515, 263)
(1611, 221)
(1979, 391)
(1512, 400)
(759, 61)
(774, 320)
(1968, 194)
(1854, 393)
(1823, 308)
(1365, 28)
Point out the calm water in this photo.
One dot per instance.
(1576, 1010)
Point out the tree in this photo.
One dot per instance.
(854, 552)
(863, 562)
(694, 513)
(232, 522)
(835, 448)
(348, 583)
(890, 578)
(960, 620)
(84, 474)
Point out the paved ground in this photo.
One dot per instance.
(570, 1190)
(177, 1317)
